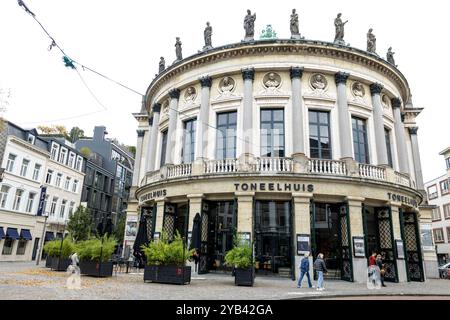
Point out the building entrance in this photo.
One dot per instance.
(176, 220)
(411, 239)
(273, 236)
(379, 238)
(331, 237)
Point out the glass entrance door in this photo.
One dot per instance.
(273, 235)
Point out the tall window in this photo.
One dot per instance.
(432, 192)
(30, 202)
(62, 209)
(75, 186)
(226, 135)
(436, 214)
(444, 187)
(58, 180)
(53, 206)
(163, 148)
(447, 162)
(21, 247)
(24, 168)
(17, 199)
(319, 135)
(44, 206)
(71, 208)
(447, 211)
(48, 179)
(71, 160)
(438, 235)
(272, 133)
(387, 135)
(67, 183)
(10, 163)
(7, 246)
(360, 140)
(37, 171)
(78, 163)
(55, 149)
(189, 141)
(4, 196)
(62, 155)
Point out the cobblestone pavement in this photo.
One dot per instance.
(25, 280)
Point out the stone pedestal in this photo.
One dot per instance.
(245, 162)
(300, 163)
(197, 167)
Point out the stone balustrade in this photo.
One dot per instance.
(332, 167)
(270, 165)
(372, 172)
(179, 170)
(220, 166)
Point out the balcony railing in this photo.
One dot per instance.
(372, 172)
(180, 170)
(220, 166)
(331, 167)
(402, 179)
(271, 165)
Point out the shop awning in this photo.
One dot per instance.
(12, 233)
(49, 236)
(2, 233)
(26, 234)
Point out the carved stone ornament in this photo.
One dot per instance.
(226, 85)
(358, 90)
(165, 107)
(318, 82)
(190, 94)
(385, 101)
(272, 80)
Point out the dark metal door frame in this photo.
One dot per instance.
(344, 234)
(383, 214)
(412, 247)
(204, 232)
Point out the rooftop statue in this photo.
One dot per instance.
(390, 57)
(371, 42)
(207, 35)
(295, 32)
(162, 64)
(178, 50)
(339, 25)
(249, 26)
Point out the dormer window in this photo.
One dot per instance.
(63, 156)
(31, 138)
(55, 149)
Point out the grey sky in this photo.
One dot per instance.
(124, 40)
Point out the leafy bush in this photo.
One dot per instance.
(162, 252)
(53, 248)
(240, 256)
(93, 248)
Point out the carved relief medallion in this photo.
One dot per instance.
(385, 101)
(358, 90)
(272, 80)
(226, 85)
(318, 82)
(190, 94)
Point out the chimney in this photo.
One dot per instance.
(100, 133)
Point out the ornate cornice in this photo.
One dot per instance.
(174, 94)
(248, 74)
(341, 77)
(396, 103)
(206, 81)
(140, 133)
(376, 88)
(157, 108)
(297, 72)
(413, 130)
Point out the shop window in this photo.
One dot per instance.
(21, 247)
(8, 246)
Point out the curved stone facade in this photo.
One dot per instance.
(243, 131)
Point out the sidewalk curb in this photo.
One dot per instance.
(318, 297)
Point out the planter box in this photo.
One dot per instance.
(48, 262)
(96, 269)
(59, 264)
(244, 277)
(168, 274)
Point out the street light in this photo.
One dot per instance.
(41, 243)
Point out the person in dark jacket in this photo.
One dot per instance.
(379, 262)
(321, 268)
(196, 258)
(304, 269)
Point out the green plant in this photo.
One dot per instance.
(162, 252)
(53, 248)
(240, 256)
(80, 224)
(93, 248)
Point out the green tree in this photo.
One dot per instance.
(80, 224)
(132, 149)
(75, 134)
(85, 151)
(120, 229)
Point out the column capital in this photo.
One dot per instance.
(140, 133)
(396, 103)
(376, 88)
(156, 108)
(296, 72)
(248, 74)
(174, 93)
(341, 77)
(205, 81)
(413, 130)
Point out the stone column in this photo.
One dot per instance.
(297, 112)
(380, 138)
(173, 117)
(416, 157)
(395, 214)
(247, 148)
(195, 206)
(137, 161)
(151, 153)
(357, 230)
(159, 215)
(400, 137)
(345, 136)
(302, 225)
(201, 139)
(245, 212)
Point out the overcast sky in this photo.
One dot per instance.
(124, 40)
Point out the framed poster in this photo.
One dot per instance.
(426, 237)
(244, 237)
(400, 249)
(131, 229)
(303, 244)
(359, 249)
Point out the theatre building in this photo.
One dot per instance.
(297, 145)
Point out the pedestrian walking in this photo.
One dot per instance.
(304, 269)
(196, 257)
(321, 268)
(380, 265)
(372, 259)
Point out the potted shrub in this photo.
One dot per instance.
(58, 253)
(241, 258)
(166, 261)
(95, 255)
